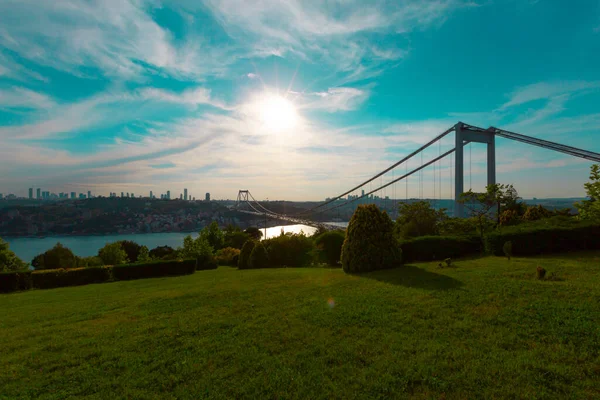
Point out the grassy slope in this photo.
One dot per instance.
(484, 329)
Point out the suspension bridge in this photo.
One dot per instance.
(464, 135)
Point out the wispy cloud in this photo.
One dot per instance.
(333, 100)
(546, 90)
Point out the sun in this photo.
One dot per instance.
(277, 113)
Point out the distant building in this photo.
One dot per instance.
(1, 196)
(81, 196)
(185, 197)
(39, 195)
(151, 194)
(207, 197)
(73, 195)
(180, 196)
(168, 195)
(30, 193)
(122, 194)
(89, 195)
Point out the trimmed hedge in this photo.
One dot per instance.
(429, 248)
(153, 269)
(527, 241)
(54, 278)
(14, 281)
(205, 262)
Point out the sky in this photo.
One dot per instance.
(291, 99)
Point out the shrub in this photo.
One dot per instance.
(154, 269)
(132, 249)
(213, 235)
(540, 239)
(429, 248)
(235, 260)
(235, 239)
(330, 245)
(225, 256)
(507, 249)
(15, 280)
(370, 243)
(290, 250)
(245, 254)
(206, 261)
(163, 253)
(259, 258)
(195, 248)
(57, 257)
(540, 273)
(254, 233)
(536, 213)
(113, 254)
(9, 260)
(94, 261)
(54, 278)
(509, 217)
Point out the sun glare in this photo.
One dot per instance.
(277, 113)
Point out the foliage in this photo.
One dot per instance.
(429, 248)
(54, 278)
(9, 260)
(113, 254)
(290, 250)
(245, 254)
(319, 231)
(590, 209)
(508, 218)
(259, 258)
(544, 238)
(154, 269)
(254, 233)
(458, 227)
(329, 245)
(507, 249)
(225, 256)
(144, 255)
(132, 249)
(536, 213)
(418, 219)
(206, 261)
(195, 248)
(213, 235)
(370, 243)
(163, 253)
(15, 280)
(235, 238)
(57, 257)
(85, 262)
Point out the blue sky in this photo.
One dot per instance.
(290, 99)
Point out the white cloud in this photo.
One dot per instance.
(334, 99)
(192, 97)
(252, 75)
(545, 90)
(118, 37)
(18, 97)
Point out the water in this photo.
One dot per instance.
(85, 246)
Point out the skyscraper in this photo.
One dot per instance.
(89, 194)
(39, 193)
(185, 194)
(168, 195)
(151, 194)
(180, 196)
(207, 197)
(73, 195)
(30, 193)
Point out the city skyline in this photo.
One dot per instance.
(294, 100)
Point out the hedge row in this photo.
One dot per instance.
(153, 269)
(428, 248)
(529, 241)
(54, 278)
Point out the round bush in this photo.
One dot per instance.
(330, 246)
(370, 244)
(259, 258)
(245, 254)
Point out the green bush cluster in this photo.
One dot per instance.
(370, 243)
(206, 262)
(290, 250)
(534, 240)
(14, 281)
(154, 269)
(245, 254)
(329, 246)
(259, 258)
(227, 255)
(428, 248)
(54, 278)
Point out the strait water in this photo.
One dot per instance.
(85, 246)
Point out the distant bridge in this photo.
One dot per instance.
(464, 135)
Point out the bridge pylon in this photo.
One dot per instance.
(242, 197)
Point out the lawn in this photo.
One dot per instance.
(483, 329)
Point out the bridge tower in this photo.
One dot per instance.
(242, 197)
(464, 135)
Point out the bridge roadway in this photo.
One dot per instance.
(292, 219)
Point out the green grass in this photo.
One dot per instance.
(484, 329)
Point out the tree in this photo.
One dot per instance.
(235, 238)
(132, 249)
(213, 235)
(163, 253)
(481, 205)
(9, 260)
(259, 258)
(370, 243)
(535, 213)
(113, 254)
(144, 255)
(590, 209)
(245, 254)
(330, 246)
(418, 219)
(195, 248)
(57, 257)
(254, 233)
